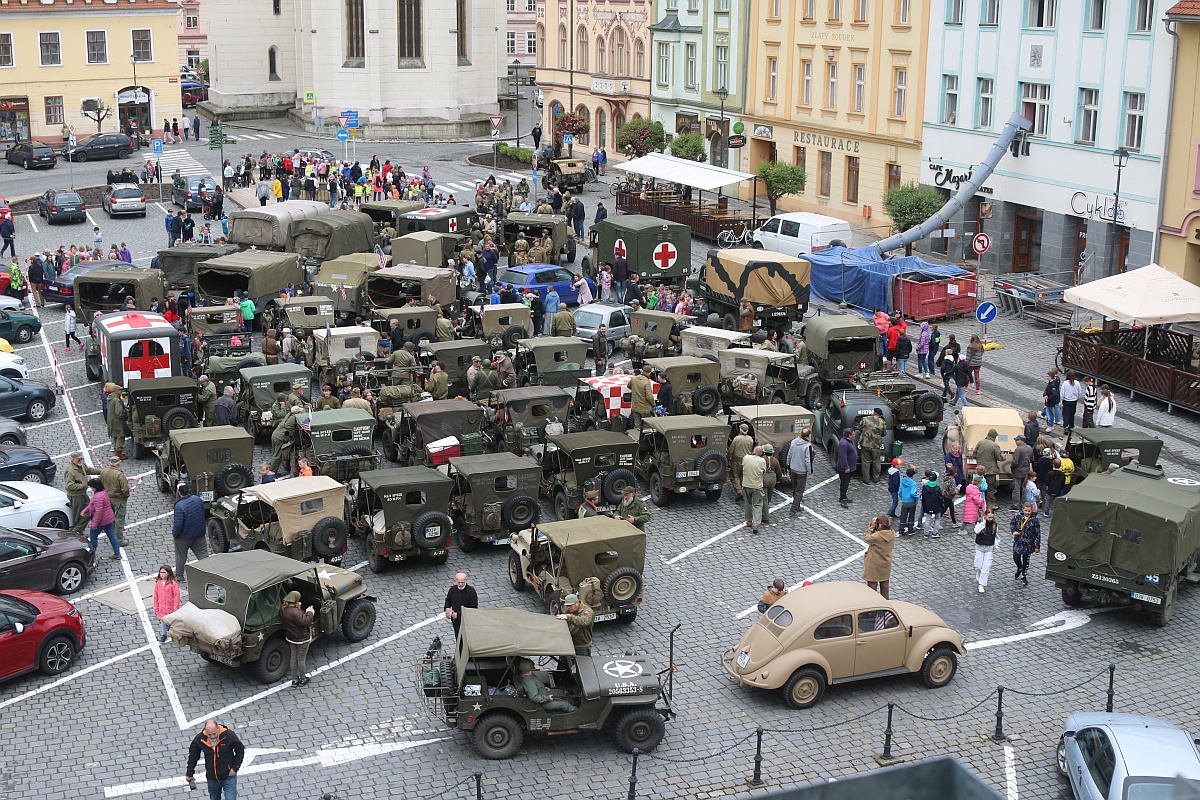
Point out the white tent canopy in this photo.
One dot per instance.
(1147, 296)
(704, 177)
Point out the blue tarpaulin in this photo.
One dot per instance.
(863, 279)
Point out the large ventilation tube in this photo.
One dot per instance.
(1016, 123)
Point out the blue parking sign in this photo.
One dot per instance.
(156, 146)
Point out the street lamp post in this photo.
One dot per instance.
(723, 95)
(1120, 160)
(133, 61)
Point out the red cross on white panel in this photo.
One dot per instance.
(665, 254)
(147, 365)
(619, 248)
(453, 224)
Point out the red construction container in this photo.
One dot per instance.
(922, 297)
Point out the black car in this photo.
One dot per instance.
(62, 205)
(97, 146)
(27, 399)
(30, 155)
(186, 192)
(22, 463)
(11, 431)
(45, 559)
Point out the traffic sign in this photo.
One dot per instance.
(310, 97)
(348, 119)
(495, 119)
(985, 312)
(495, 133)
(156, 146)
(981, 243)
(343, 135)
(71, 140)
(568, 138)
(535, 173)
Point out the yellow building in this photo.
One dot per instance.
(59, 57)
(1179, 234)
(837, 86)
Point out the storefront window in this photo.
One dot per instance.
(14, 119)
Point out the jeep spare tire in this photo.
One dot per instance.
(519, 512)
(622, 586)
(178, 419)
(421, 336)
(231, 478)
(928, 407)
(615, 482)
(706, 400)
(713, 466)
(432, 530)
(329, 537)
(510, 336)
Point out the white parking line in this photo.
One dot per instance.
(86, 447)
(149, 519)
(159, 206)
(32, 224)
(812, 579)
(1010, 772)
(61, 364)
(88, 214)
(70, 676)
(44, 424)
(276, 135)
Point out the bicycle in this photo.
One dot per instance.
(589, 175)
(742, 237)
(624, 187)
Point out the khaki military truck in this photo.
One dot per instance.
(527, 227)
(178, 264)
(417, 322)
(503, 325)
(335, 355)
(568, 174)
(765, 376)
(658, 251)
(331, 235)
(550, 361)
(679, 454)
(693, 383)
(300, 518)
(214, 462)
(343, 281)
(259, 388)
(914, 407)
(572, 463)
(247, 589)
(401, 514)
(338, 443)
(494, 494)
(601, 559)
(518, 418)
(456, 358)
(841, 346)
(1131, 537)
(398, 285)
(219, 329)
(158, 406)
(776, 285)
(431, 432)
(776, 425)
(700, 341)
(261, 273)
(426, 248)
(104, 290)
(301, 314)
(440, 219)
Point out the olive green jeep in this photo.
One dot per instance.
(551, 361)
(213, 462)
(494, 494)
(339, 443)
(300, 518)
(568, 174)
(914, 407)
(259, 388)
(431, 432)
(841, 346)
(158, 406)
(517, 418)
(681, 453)
(749, 375)
(505, 324)
(693, 383)
(401, 514)
(575, 462)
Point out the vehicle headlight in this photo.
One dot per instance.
(18, 360)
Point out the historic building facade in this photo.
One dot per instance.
(1179, 229)
(192, 30)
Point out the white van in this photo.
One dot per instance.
(801, 232)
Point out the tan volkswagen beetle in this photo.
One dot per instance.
(839, 632)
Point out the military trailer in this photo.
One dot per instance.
(505, 324)
(841, 346)
(1126, 538)
(654, 334)
(343, 281)
(476, 687)
(261, 273)
(125, 345)
(305, 313)
(417, 322)
(214, 462)
(105, 290)
(439, 219)
(456, 358)
(572, 463)
(914, 408)
(178, 264)
(1098, 449)
(338, 443)
(158, 406)
(693, 383)
(431, 432)
(519, 226)
(266, 227)
(776, 425)
(300, 518)
(335, 354)
(776, 285)
(765, 376)
(425, 248)
(601, 559)
(518, 417)
(259, 388)
(700, 341)
(658, 251)
(494, 494)
(330, 235)
(551, 361)
(401, 514)
(396, 286)
(248, 588)
(679, 454)
(568, 174)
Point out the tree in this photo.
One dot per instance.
(97, 111)
(780, 180)
(571, 123)
(910, 205)
(640, 136)
(689, 146)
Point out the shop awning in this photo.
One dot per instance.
(704, 177)
(1150, 295)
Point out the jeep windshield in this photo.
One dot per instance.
(852, 345)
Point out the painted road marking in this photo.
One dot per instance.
(32, 224)
(1010, 772)
(1061, 622)
(149, 519)
(70, 676)
(61, 364)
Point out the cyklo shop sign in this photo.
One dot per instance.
(1098, 207)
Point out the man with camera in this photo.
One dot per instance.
(223, 754)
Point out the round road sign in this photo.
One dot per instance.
(343, 135)
(985, 312)
(981, 243)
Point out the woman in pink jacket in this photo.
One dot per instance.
(166, 598)
(99, 511)
(976, 503)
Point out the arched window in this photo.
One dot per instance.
(582, 112)
(581, 49)
(601, 126)
(620, 53)
(273, 64)
(541, 45)
(601, 56)
(564, 59)
(618, 121)
(639, 59)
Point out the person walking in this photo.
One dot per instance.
(932, 505)
(166, 599)
(949, 482)
(800, 465)
(116, 483)
(1051, 397)
(206, 402)
(847, 462)
(989, 457)
(895, 473)
(187, 528)
(118, 424)
(69, 325)
(461, 595)
(75, 481)
(877, 563)
(985, 548)
(1032, 494)
(1090, 398)
(975, 359)
(871, 429)
(974, 506)
(100, 514)
(771, 478)
(739, 447)
(754, 467)
(297, 627)
(1070, 393)
(904, 348)
(8, 233)
(962, 379)
(1027, 539)
(1106, 408)
(223, 753)
(910, 492)
(1022, 465)
(924, 363)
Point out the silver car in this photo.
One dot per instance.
(124, 198)
(589, 318)
(1125, 757)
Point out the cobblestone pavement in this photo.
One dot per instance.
(118, 724)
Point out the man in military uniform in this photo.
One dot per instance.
(403, 364)
(438, 385)
(284, 437)
(739, 448)
(505, 371)
(356, 400)
(631, 509)
(589, 506)
(476, 365)
(206, 401)
(485, 382)
(563, 323)
(871, 430)
(328, 402)
(537, 252)
(641, 392)
(520, 250)
(579, 618)
(536, 691)
(118, 422)
(443, 329)
(117, 486)
(298, 398)
(75, 480)
(989, 456)
(278, 410)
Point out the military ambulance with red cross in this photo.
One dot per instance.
(130, 345)
(658, 251)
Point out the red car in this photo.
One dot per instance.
(38, 631)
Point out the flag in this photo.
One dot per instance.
(883, 619)
(383, 259)
(343, 291)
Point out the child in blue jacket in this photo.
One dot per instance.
(932, 505)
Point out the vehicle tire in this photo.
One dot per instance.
(376, 561)
(641, 728)
(329, 536)
(465, 541)
(1071, 596)
(654, 339)
(417, 337)
(139, 449)
(497, 736)
(622, 586)
(572, 249)
(706, 400)
(729, 322)
(812, 398)
(178, 419)
(625, 619)
(778, 399)
(585, 267)
(659, 495)
(25, 164)
(365, 453)
(562, 510)
(24, 334)
(939, 667)
(54, 519)
(510, 336)
(122, 153)
(34, 476)
(515, 576)
(160, 479)
(1060, 757)
(232, 478)
(615, 482)
(931, 433)
(1163, 614)
(93, 371)
(358, 620)
(10, 440)
(36, 410)
(247, 363)
(79, 157)
(57, 656)
(448, 685)
(218, 540)
(712, 495)
(519, 512)
(428, 521)
(70, 578)
(804, 688)
(928, 407)
(713, 466)
(272, 663)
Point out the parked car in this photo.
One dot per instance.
(45, 559)
(24, 463)
(11, 431)
(191, 93)
(62, 205)
(30, 155)
(30, 505)
(613, 316)
(97, 146)
(28, 399)
(311, 153)
(186, 191)
(13, 366)
(38, 631)
(124, 198)
(540, 277)
(18, 326)
(62, 288)
(801, 232)
(1123, 756)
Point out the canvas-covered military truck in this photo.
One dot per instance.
(158, 406)
(338, 442)
(494, 495)
(344, 281)
(432, 432)
(302, 314)
(750, 376)
(300, 518)
(658, 251)
(394, 287)
(330, 235)
(266, 227)
(102, 291)
(261, 273)
(568, 174)
(401, 514)
(550, 361)
(1126, 538)
(178, 264)
(841, 346)
(505, 324)
(700, 341)
(518, 417)
(679, 454)
(386, 213)
(259, 390)
(219, 329)
(425, 248)
(439, 219)
(132, 344)
(572, 463)
(456, 358)
(519, 226)
(214, 462)
(776, 286)
(693, 383)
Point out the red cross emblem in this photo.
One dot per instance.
(147, 365)
(619, 248)
(132, 321)
(665, 254)
(453, 224)
(430, 211)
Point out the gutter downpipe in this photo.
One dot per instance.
(1162, 181)
(958, 200)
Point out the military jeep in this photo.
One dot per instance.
(519, 416)
(475, 687)
(213, 462)
(914, 408)
(527, 227)
(158, 406)
(841, 346)
(300, 518)
(572, 463)
(250, 587)
(103, 290)
(456, 358)
(336, 355)
(220, 330)
(701, 341)
(776, 425)
(601, 559)
(505, 324)
(307, 313)
(432, 432)
(764, 376)
(843, 410)
(653, 334)
(344, 281)
(1096, 450)
(550, 361)
(568, 174)
(682, 453)
(260, 386)
(416, 322)
(494, 494)
(401, 514)
(693, 383)
(338, 443)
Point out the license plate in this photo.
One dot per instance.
(605, 617)
(500, 543)
(743, 659)
(695, 473)
(433, 532)
(206, 496)
(1146, 598)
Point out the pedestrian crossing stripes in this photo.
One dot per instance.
(177, 158)
(257, 137)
